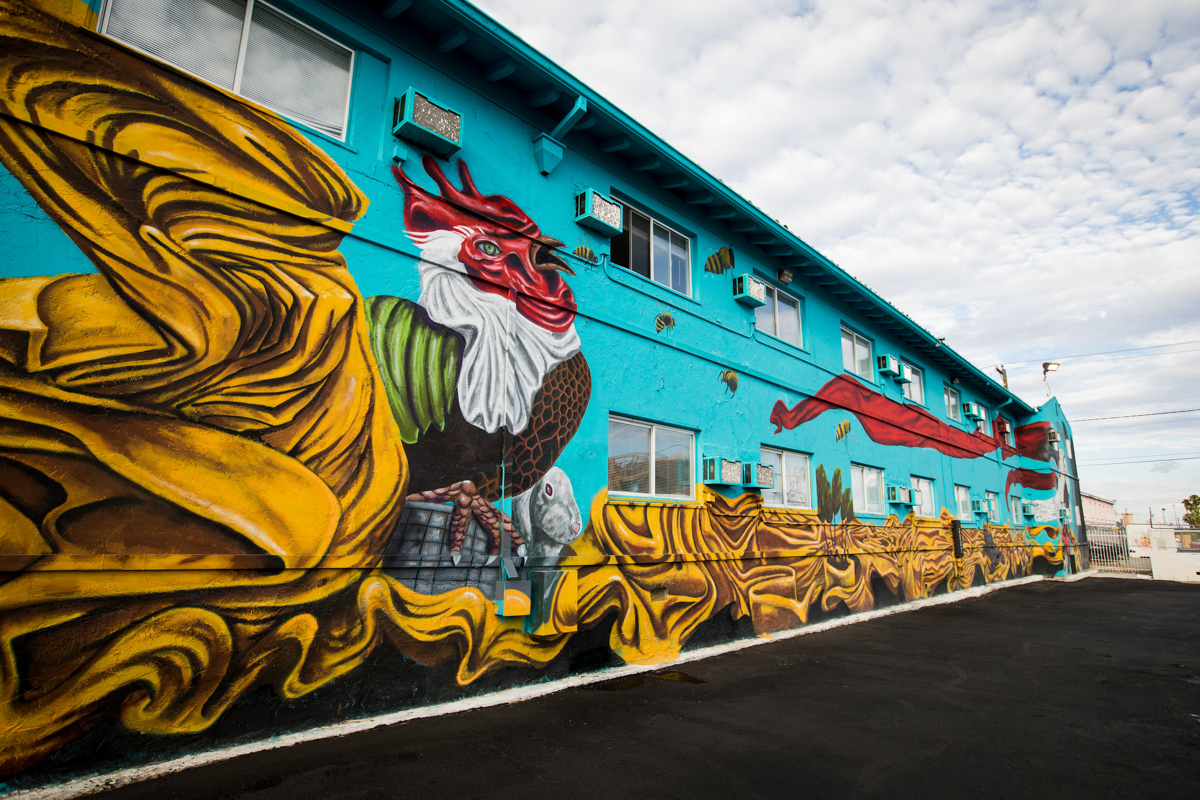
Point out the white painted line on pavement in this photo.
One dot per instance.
(111, 780)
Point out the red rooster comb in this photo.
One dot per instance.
(424, 211)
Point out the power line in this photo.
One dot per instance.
(1161, 456)
(1151, 414)
(1124, 425)
(1105, 353)
(1151, 461)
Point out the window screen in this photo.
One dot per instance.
(649, 459)
(284, 64)
(866, 487)
(296, 71)
(200, 36)
(791, 487)
(924, 502)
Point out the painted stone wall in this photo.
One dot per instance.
(269, 440)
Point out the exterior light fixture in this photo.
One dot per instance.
(785, 276)
(1047, 368)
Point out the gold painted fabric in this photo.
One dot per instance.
(198, 466)
(200, 420)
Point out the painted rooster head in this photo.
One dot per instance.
(502, 248)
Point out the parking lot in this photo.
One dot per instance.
(1050, 689)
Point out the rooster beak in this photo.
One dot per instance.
(545, 259)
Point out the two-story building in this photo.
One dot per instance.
(336, 329)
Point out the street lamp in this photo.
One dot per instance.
(1047, 368)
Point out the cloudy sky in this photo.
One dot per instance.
(1020, 178)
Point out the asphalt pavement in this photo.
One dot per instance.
(1050, 689)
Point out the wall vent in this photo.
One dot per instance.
(595, 211)
(721, 472)
(758, 476)
(424, 122)
(748, 291)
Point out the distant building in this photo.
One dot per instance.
(1097, 510)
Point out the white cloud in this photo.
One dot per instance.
(1165, 466)
(1022, 179)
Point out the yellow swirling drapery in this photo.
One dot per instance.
(198, 467)
(194, 446)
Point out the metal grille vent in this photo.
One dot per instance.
(606, 212)
(443, 122)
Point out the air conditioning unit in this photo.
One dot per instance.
(418, 119)
(748, 291)
(758, 476)
(972, 409)
(595, 211)
(1064, 514)
(1005, 426)
(1052, 436)
(721, 472)
(1027, 508)
(905, 375)
(900, 495)
(979, 506)
(887, 365)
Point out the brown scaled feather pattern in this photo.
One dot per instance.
(558, 409)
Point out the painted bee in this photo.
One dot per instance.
(843, 430)
(730, 379)
(664, 322)
(719, 262)
(585, 252)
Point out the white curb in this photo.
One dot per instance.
(111, 780)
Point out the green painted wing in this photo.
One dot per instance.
(419, 362)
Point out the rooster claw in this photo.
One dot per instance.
(491, 561)
(456, 556)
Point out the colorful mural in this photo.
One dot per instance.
(223, 470)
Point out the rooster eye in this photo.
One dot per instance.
(550, 490)
(489, 248)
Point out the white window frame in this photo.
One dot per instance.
(858, 340)
(947, 391)
(981, 424)
(918, 379)
(654, 221)
(962, 501)
(1014, 511)
(858, 474)
(773, 302)
(993, 501)
(654, 428)
(237, 80)
(926, 488)
(784, 455)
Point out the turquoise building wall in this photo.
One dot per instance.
(333, 613)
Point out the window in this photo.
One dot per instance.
(856, 355)
(924, 502)
(1014, 506)
(993, 502)
(649, 459)
(915, 389)
(654, 251)
(866, 485)
(780, 317)
(953, 404)
(981, 424)
(962, 499)
(245, 46)
(791, 479)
